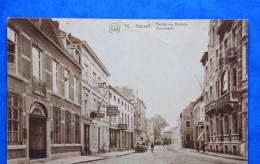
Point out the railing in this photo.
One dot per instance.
(210, 106)
(231, 54)
(38, 86)
(226, 99)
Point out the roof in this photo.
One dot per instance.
(113, 89)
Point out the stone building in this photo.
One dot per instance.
(198, 119)
(44, 104)
(226, 101)
(187, 127)
(94, 94)
(174, 135)
(121, 139)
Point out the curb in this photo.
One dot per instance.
(102, 158)
(217, 155)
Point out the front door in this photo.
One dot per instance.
(37, 137)
(86, 138)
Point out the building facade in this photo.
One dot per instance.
(198, 118)
(226, 101)
(44, 107)
(121, 139)
(187, 127)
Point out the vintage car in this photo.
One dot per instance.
(140, 146)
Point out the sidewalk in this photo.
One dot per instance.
(87, 158)
(242, 158)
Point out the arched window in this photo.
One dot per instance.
(235, 124)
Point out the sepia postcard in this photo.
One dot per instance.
(127, 91)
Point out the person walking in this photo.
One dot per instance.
(152, 147)
(198, 146)
(203, 146)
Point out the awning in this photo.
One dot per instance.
(201, 137)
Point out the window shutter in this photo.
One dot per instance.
(71, 87)
(26, 64)
(61, 79)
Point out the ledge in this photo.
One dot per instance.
(64, 145)
(13, 147)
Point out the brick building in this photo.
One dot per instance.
(44, 106)
(225, 66)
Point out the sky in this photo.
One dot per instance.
(160, 63)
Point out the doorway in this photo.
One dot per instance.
(86, 139)
(98, 138)
(37, 137)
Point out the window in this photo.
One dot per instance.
(55, 76)
(94, 79)
(225, 47)
(12, 45)
(187, 124)
(67, 83)
(211, 67)
(86, 102)
(224, 83)
(217, 125)
(217, 59)
(14, 111)
(77, 129)
(234, 32)
(110, 95)
(213, 34)
(57, 125)
(235, 124)
(125, 119)
(115, 98)
(76, 88)
(118, 101)
(67, 127)
(234, 79)
(86, 72)
(226, 124)
(128, 121)
(122, 103)
(191, 113)
(211, 127)
(122, 118)
(36, 56)
(206, 74)
(210, 93)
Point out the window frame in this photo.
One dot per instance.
(56, 125)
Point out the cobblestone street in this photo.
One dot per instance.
(168, 154)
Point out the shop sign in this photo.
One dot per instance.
(112, 110)
(122, 126)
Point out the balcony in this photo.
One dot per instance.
(38, 86)
(225, 25)
(231, 54)
(227, 101)
(210, 107)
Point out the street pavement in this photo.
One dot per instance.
(166, 155)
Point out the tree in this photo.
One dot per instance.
(158, 123)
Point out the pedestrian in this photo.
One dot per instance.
(152, 147)
(203, 146)
(198, 146)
